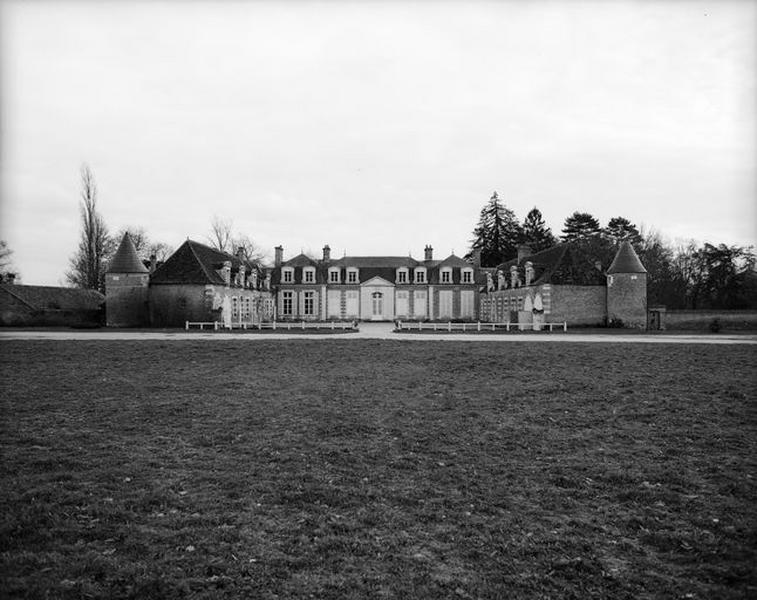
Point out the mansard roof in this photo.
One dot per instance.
(377, 262)
(455, 261)
(626, 260)
(125, 259)
(301, 260)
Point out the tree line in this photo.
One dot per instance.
(680, 275)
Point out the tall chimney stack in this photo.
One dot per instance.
(326, 253)
(428, 253)
(279, 256)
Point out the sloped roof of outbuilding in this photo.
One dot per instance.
(626, 260)
(41, 297)
(126, 259)
(193, 262)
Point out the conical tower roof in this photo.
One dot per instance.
(125, 259)
(626, 261)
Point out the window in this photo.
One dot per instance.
(446, 275)
(419, 304)
(333, 275)
(309, 305)
(467, 275)
(286, 305)
(401, 275)
(352, 275)
(287, 274)
(234, 307)
(420, 275)
(308, 274)
(246, 312)
(402, 304)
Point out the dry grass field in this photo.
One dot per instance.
(361, 469)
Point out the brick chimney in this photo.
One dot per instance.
(279, 256)
(326, 253)
(476, 258)
(241, 274)
(524, 250)
(428, 253)
(153, 263)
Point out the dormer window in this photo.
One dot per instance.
(308, 274)
(420, 275)
(467, 275)
(446, 275)
(352, 274)
(287, 274)
(333, 275)
(402, 275)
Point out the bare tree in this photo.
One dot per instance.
(222, 237)
(87, 265)
(220, 234)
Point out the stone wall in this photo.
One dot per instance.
(702, 319)
(173, 305)
(578, 305)
(126, 297)
(627, 299)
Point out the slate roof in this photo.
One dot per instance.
(545, 264)
(455, 261)
(41, 297)
(377, 262)
(626, 261)
(196, 263)
(125, 260)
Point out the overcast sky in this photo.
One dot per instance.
(374, 127)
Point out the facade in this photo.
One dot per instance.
(200, 284)
(197, 283)
(561, 284)
(375, 288)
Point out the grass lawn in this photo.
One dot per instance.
(369, 469)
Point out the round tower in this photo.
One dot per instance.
(127, 282)
(627, 289)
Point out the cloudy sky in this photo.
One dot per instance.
(374, 127)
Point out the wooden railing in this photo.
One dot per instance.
(274, 325)
(477, 326)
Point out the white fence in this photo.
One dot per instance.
(273, 325)
(478, 326)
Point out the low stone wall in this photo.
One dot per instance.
(84, 318)
(702, 319)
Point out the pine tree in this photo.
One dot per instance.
(497, 233)
(579, 227)
(536, 233)
(620, 229)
